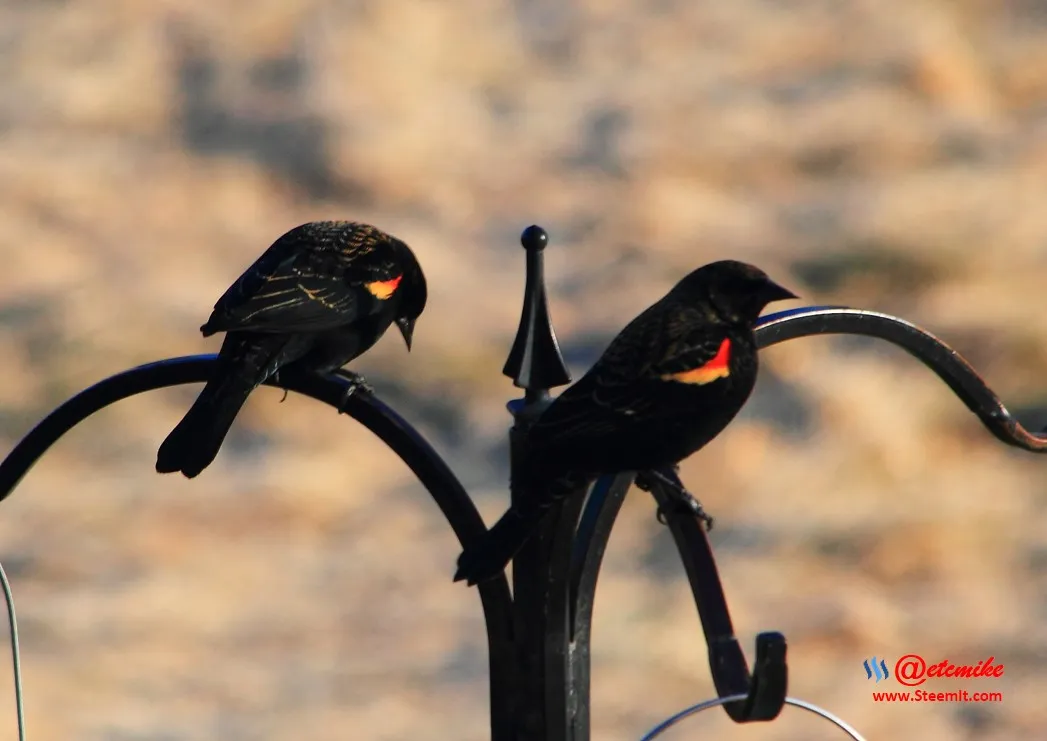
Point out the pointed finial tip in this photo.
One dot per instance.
(534, 238)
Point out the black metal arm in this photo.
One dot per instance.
(948, 364)
(367, 409)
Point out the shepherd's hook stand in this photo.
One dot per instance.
(538, 637)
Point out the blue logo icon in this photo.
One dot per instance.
(879, 670)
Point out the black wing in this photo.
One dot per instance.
(311, 279)
(616, 394)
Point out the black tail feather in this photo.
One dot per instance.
(194, 443)
(488, 558)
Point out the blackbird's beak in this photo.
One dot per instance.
(406, 329)
(774, 292)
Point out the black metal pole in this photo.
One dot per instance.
(540, 632)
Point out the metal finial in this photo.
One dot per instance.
(534, 238)
(535, 362)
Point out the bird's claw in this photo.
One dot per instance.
(688, 506)
(683, 501)
(357, 384)
(276, 378)
(646, 480)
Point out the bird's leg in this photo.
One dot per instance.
(682, 499)
(357, 383)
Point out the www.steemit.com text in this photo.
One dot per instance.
(926, 696)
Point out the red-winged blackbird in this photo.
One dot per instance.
(667, 385)
(320, 296)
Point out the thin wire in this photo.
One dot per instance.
(673, 720)
(16, 660)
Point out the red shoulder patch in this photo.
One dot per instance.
(383, 289)
(718, 367)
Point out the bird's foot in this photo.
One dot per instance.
(357, 384)
(683, 501)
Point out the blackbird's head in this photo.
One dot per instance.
(736, 291)
(412, 294)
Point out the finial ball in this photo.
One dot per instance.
(534, 238)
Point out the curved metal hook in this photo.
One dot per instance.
(371, 412)
(668, 723)
(760, 694)
(948, 364)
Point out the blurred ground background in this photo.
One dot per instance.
(888, 155)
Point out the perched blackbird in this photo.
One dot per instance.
(667, 385)
(320, 296)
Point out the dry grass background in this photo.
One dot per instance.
(889, 155)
